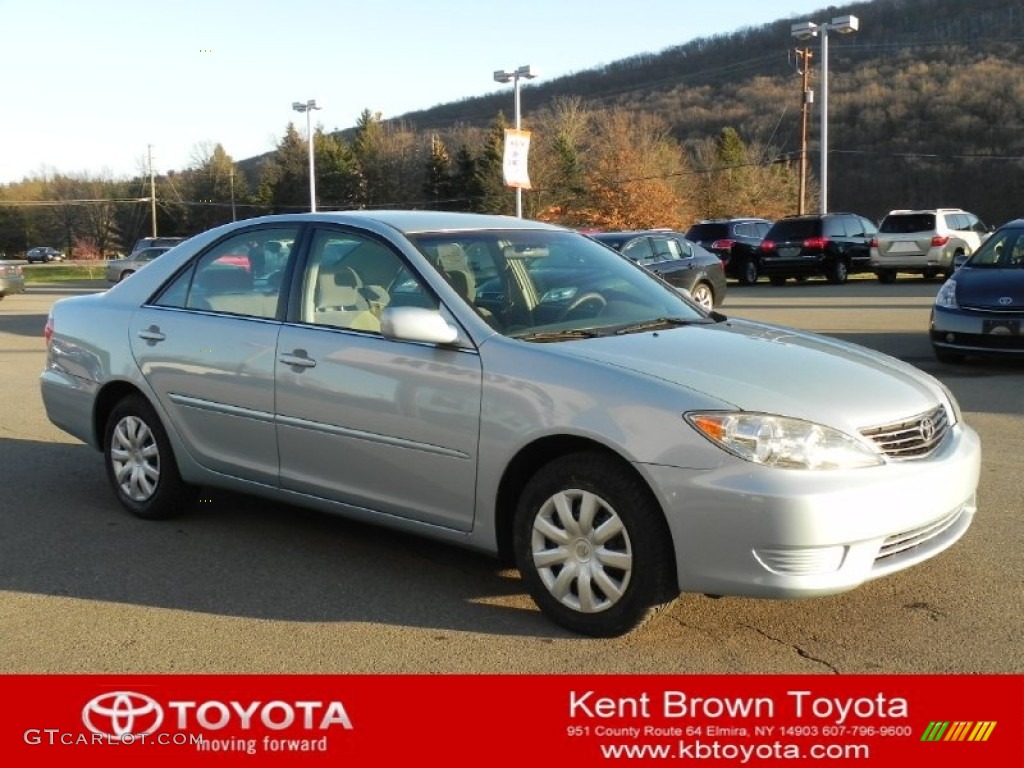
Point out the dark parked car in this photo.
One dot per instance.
(43, 254)
(832, 245)
(735, 242)
(980, 309)
(675, 260)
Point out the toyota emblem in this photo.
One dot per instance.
(1005, 301)
(120, 713)
(927, 429)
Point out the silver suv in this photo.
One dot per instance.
(924, 242)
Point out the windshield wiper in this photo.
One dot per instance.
(658, 323)
(576, 333)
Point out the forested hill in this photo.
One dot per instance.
(926, 101)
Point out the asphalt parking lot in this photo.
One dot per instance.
(241, 585)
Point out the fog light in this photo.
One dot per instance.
(805, 561)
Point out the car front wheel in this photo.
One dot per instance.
(592, 546)
(140, 464)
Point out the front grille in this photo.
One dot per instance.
(915, 438)
(900, 542)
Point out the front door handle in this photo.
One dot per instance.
(297, 359)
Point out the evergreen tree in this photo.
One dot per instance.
(438, 184)
(494, 196)
(285, 184)
(339, 181)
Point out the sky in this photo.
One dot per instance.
(88, 87)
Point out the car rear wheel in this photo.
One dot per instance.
(703, 295)
(748, 272)
(837, 272)
(126, 274)
(140, 464)
(887, 276)
(592, 546)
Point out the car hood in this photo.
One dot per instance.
(984, 288)
(770, 369)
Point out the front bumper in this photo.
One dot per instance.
(753, 531)
(979, 333)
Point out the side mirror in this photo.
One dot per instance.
(426, 326)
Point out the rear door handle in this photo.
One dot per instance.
(152, 334)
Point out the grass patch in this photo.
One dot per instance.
(61, 273)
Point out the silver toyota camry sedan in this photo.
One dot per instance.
(516, 388)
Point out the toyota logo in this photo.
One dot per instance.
(120, 713)
(927, 429)
(1006, 300)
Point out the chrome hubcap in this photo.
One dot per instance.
(135, 458)
(582, 551)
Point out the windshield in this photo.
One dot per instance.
(1005, 249)
(551, 285)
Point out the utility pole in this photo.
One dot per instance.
(152, 189)
(806, 99)
(232, 179)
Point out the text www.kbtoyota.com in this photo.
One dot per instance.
(741, 753)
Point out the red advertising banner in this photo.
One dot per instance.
(250, 720)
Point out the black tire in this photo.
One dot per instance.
(124, 275)
(747, 274)
(887, 276)
(140, 463)
(837, 272)
(594, 585)
(777, 280)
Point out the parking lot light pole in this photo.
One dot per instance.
(308, 108)
(501, 76)
(805, 30)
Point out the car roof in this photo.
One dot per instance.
(410, 222)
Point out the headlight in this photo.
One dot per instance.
(777, 441)
(954, 413)
(947, 295)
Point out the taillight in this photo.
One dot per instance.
(48, 329)
(938, 241)
(724, 244)
(874, 242)
(767, 245)
(816, 242)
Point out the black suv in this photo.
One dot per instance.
(833, 245)
(734, 241)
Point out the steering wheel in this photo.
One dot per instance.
(592, 301)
